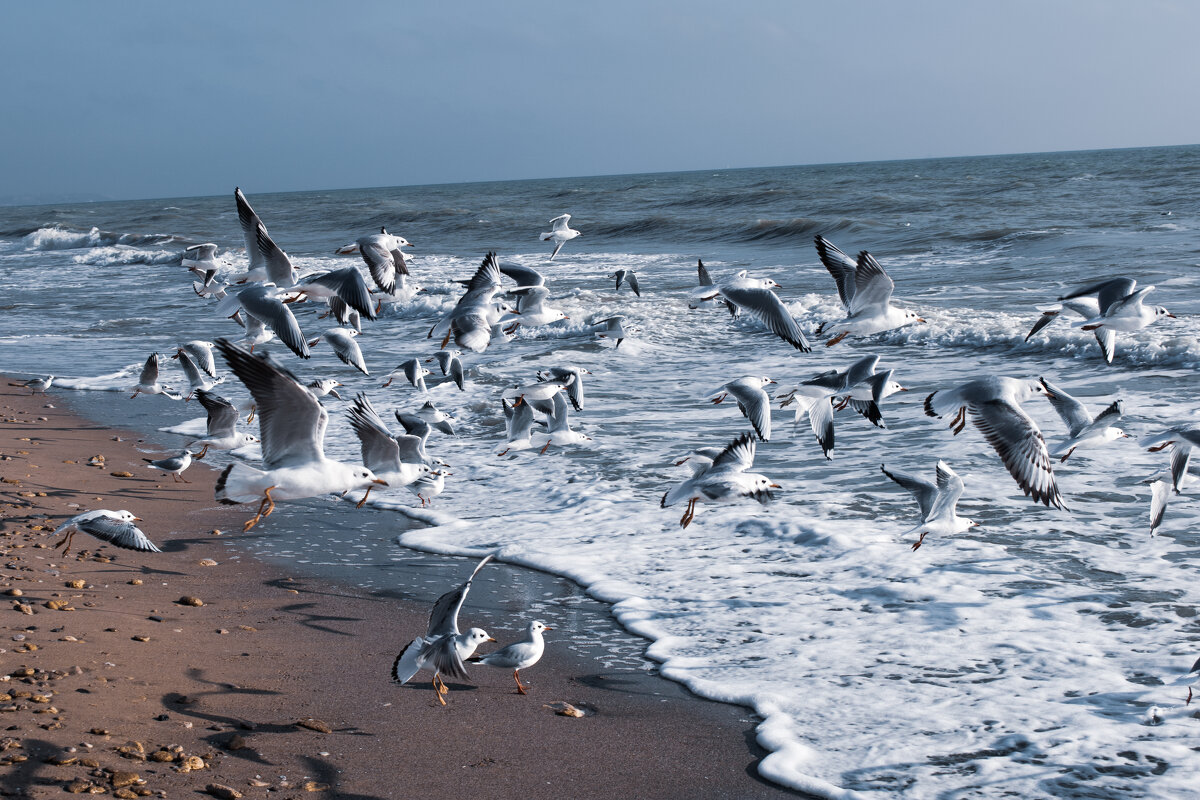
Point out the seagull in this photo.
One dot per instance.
(174, 465)
(533, 311)
(865, 291)
(1086, 307)
(114, 527)
(384, 258)
(413, 372)
(470, 321)
(36, 385)
(418, 427)
(994, 404)
(429, 485)
(1160, 493)
(815, 397)
(443, 648)
(755, 295)
(702, 296)
(347, 285)
(518, 424)
(396, 459)
(571, 377)
(344, 347)
(197, 380)
(436, 419)
(344, 314)
(1084, 431)
(611, 328)
(266, 303)
(938, 503)
(208, 286)
(267, 262)
(222, 431)
(148, 382)
(560, 233)
(532, 392)
(518, 655)
(725, 480)
(1181, 440)
(450, 364)
(628, 276)
(256, 332)
(292, 424)
(200, 257)
(323, 387)
(1118, 308)
(558, 428)
(752, 400)
(201, 353)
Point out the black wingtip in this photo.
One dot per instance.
(929, 412)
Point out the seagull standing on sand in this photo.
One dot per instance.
(174, 465)
(723, 481)
(443, 648)
(560, 233)
(114, 527)
(292, 424)
(752, 400)
(866, 293)
(1083, 430)
(938, 503)
(36, 385)
(994, 404)
(518, 655)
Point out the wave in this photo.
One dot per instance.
(800, 228)
(56, 238)
(117, 255)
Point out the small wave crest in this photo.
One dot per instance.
(117, 255)
(56, 238)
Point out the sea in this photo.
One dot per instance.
(1044, 653)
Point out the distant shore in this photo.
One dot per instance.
(115, 676)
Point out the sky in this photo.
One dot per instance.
(164, 99)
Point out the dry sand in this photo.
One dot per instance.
(278, 685)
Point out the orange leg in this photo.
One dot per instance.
(543, 450)
(520, 687)
(359, 504)
(917, 543)
(837, 338)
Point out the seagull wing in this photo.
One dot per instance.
(1073, 412)
(755, 405)
(1020, 445)
(347, 349)
(380, 453)
(949, 489)
(765, 305)
(262, 303)
(279, 267)
(443, 619)
(291, 420)
(1107, 292)
(560, 223)
(872, 286)
(1160, 493)
(250, 224)
(524, 276)
(738, 455)
(348, 284)
(222, 416)
(841, 266)
(702, 274)
(149, 371)
(117, 532)
(380, 262)
(633, 283)
(925, 492)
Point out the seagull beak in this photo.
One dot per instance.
(921, 319)
(490, 639)
(902, 389)
(138, 519)
(380, 481)
(547, 628)
(1172, 316)
(776, 486)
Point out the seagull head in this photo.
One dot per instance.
(1159, 311)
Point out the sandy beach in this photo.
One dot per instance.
(197, 670)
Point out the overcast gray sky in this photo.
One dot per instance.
(159, 99)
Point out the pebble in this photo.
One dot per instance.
(135, 582)
(222, 791)
(207, 562)
(314, 786)
(188, 600)
(141, 638)
(78, 583)
(314, 725)
(122, 779)
(192, 764)
(121, 474)
(14, 593)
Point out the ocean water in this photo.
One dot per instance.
(1043, 653)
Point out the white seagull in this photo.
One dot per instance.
(344, 347)
(994, 404)
(627, 276)
(1082, 429)
(267, 262)
(518, 655)
(1181, 440)
(518, 425)
(197, 380)
(384, 258)
(470, 321)
(222, 433)
(292, 425)
(756, 296)
(938, 503)
(450, 365)
(866, 293)
(320, 388)
(397, 459)
(443, 648)
(752, 400)
(560, 232)
(36, 385)
(201, 353)
(558, 428)
(174, 465)
(533, 310)
(412, 371)
(725, 480)
(148, 381)
(114, 527)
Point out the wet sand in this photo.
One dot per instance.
(279, 684)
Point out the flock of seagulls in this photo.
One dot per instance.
(498, 299)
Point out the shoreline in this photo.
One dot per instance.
(227, 681)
